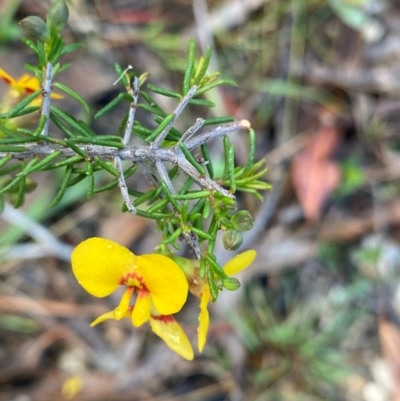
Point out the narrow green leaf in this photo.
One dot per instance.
(11, 185)
(11, 148)
(185, 208)
(191, 159)
(47, 160)
(202, 233)
(41, 54)
(71, 48)
(158, 205)
(207, 209)
(217, 269)
(202, 102)
(64, 184)
(69, 119)
(23, 103)
(66, 162)
(152, 110)
(31, 44)
(21, 194)
(5, 160)
(163, 91)
(252, 151)
(31, 68)
(160, 128)
(56, 49)
(64, 67)
(193, 195)
(121, 75)
(151, 102)
(155, 216)
(171, 197)
(25, 111)
(202, 67)
(90, 175)
(214, 84)
(114, 103)
(107, 166)
(75, 148)
(186, 186)
(231, 169)
(73, 94)
(202, 267)
(207, 158)
(218, 120)
(213, 287)
(41, 125)
(189, 69)
(173, 237)
(196, 208)
(14, 141)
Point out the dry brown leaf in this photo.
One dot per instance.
(123, 228)
(389, 335)
(314, 174)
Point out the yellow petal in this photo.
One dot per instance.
(141, 311)
(103, 317)
(121, 310)
(172, 333)
(240, 262)
(72, 387)
(8, 79)
(165, 281)
(204, 318)
(99, 264)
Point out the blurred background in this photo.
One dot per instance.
(317, 316)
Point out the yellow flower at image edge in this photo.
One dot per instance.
(18, 90)
(234, 266)
(101, 265)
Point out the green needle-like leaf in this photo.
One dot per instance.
(214, 84)
(163, 91)
(189, 69)
(73, 94)
(64, 185)
(201, 69)
(160, 128)
(22, 104)
(114, 103)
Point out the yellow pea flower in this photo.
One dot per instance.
(234, 266)
(101, 265)
(17, 91)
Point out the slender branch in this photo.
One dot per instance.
(191, 131)
(122, 185)
(134, 91)
(182, 104)
(47, 98)
(217, 133)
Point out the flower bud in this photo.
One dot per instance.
(57, 16)
(243, 220)
(35, 28)
(232, 240)
(231, 284)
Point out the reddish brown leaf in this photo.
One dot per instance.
(314, 174)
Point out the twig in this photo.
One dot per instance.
(134, 91)
(122, 185)
(47, 98)
(182, 104)
(191, 131)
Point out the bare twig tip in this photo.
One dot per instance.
(245, 124)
